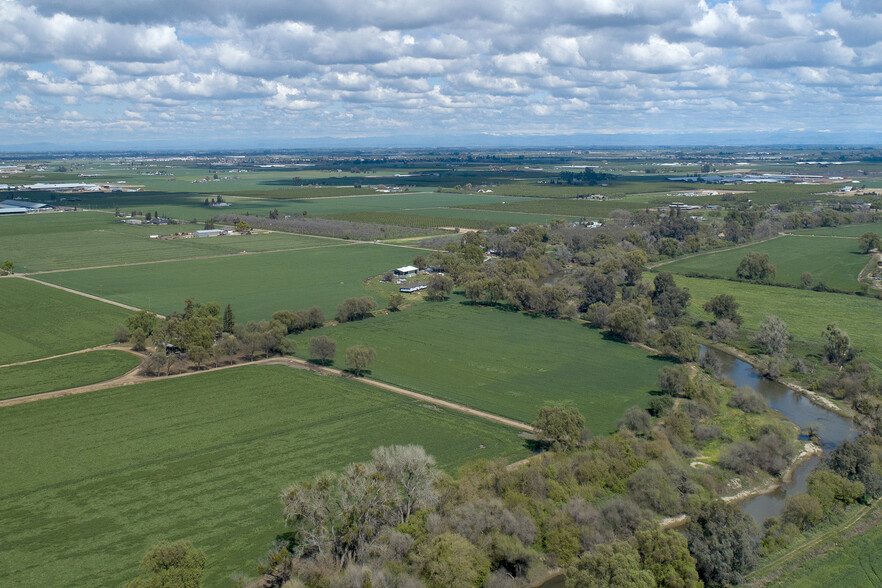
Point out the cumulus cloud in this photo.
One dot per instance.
(343, 66)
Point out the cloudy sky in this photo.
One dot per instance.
(232, 70)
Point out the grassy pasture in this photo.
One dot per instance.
(100, 477)
(255, 285)
(572, 207)
(842, 230)
(412, 219)
(190, 205)
(616, 188)
(501, 362)
(852, 561)
(88, 239)
(42, 321)
(637, 195)
(447, 217)
(806, 313)
(60, 373)
(835, 262)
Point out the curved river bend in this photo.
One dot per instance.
(832, 429)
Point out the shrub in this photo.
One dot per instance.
(748, 400)
(121, 334)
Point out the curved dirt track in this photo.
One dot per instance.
(133, 377)
(108, 347)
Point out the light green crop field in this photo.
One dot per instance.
(853, 561)
(572, 207)
(89, 239)
(835, 262)
(255, 285)
(616, 188)
(639, 195)
(60, 373)
(449, 217)
(806, 313)
(501, 362)
(842, 231)
(98, 478)
(41, 321)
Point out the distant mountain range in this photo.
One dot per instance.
(579, 141)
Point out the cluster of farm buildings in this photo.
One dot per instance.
(22, 207)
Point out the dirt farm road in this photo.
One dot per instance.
(133, 377)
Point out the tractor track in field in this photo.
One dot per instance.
(84, 294)
(107, 347)
(196, 258)
(761, 574)
(652, 266)
(133, 377)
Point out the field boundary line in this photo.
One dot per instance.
(514, 211)
(132, 377)
(703, 253)
(83, 294)
(197, 258)
(107, 347)
(818, 236)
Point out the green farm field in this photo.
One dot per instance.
(835, 262)
(657, 186)
(47, 242)
(842, 230)
(255, 285)
(852, 561)
(43, 321)
(502, 362)
(60, 373)
(806, 313)
(447, 217)
(189, 205)
(561, 200)
(573, 207)
(100, 477)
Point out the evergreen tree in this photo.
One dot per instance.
(228, 322)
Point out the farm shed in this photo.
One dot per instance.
(208, 233)
(22, 204)
(407, 270)
(415, 287)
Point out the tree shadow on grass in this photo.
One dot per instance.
(320, 362)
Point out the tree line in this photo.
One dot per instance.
(202, 334)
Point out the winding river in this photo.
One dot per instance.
(832, 429)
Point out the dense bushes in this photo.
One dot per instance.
(354, 309)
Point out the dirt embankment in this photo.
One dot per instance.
(808, 450)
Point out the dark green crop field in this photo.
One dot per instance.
(833, 261)
(60, 373)
(90, 482)
(255, 285)
(42, 321)
(501, 362)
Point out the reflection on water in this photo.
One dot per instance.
(831, 428)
